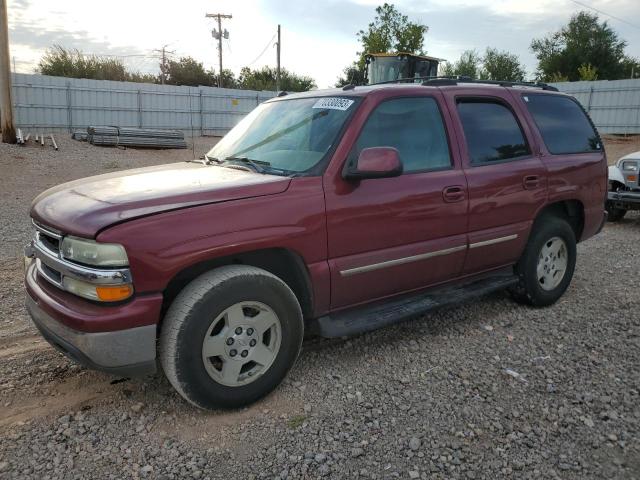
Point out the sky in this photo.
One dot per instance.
(318, 36)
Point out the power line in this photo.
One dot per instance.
(164, 66)
(263, 51)
(605, 14)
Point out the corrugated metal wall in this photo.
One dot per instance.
(65, 104)
(58, 104)
(614, 105)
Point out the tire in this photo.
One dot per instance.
(614, 214)
(544, 286)
(194, 349)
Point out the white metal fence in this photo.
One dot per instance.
(58, 104)
(614, 105)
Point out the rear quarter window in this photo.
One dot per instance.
(563, 124)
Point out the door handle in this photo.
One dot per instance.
(529, 182)
(453, 194)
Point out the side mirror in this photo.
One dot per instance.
(375, 162)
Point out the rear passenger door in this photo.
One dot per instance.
(506, 179)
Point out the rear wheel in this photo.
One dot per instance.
(230, 337)
(614, 214)
(546, 267)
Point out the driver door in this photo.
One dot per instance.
(392, 235)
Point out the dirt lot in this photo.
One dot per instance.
(430, 398)
(617, 146)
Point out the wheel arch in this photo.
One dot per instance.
(571, 210)
(284, 263)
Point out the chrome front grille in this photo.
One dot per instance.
(48, 238)
(53, 267)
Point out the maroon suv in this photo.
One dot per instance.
(330, 212)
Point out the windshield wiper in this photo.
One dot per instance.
(255, 164)
(205, 160)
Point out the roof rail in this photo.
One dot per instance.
(444, 80)
(502, 83)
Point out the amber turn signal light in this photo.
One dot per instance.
(113, 293)
(632, 178)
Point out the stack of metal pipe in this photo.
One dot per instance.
(135, 137)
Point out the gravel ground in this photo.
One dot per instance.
(485, 390)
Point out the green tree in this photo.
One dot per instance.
(501, 65)
(587, 72)
(229, 79)
(583, 41)
(351, 75)
(468, 65)
(557, 77)
(265, 79)
(390, 31)
(188, 71)
(631, 67)
(64, 62)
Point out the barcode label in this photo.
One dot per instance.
(333, 103)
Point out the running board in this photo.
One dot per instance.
(387, 312)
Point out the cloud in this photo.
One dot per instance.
(319, 36)
(38, 38)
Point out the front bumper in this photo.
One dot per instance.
(125, 352)
(624, 198)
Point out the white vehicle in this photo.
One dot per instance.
(624, 187)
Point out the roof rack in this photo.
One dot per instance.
(437, 81)
(502, 83)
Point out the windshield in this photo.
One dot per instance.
(287, 135)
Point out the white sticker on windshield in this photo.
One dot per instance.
(333, 103)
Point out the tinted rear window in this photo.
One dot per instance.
(563, 124)
(492, 131)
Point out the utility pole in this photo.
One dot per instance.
(219, 34)
(278, 62)
(163, 66)
(6, 106)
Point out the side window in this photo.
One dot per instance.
(492, 131)
(563, 125)
(413, 126)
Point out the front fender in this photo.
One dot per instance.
(160, 246)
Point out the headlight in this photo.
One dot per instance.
(631, 166)
(93, 253)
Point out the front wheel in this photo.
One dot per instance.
(546, 267)
(230, 337)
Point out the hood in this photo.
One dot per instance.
(86, 206)
(630, 156)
